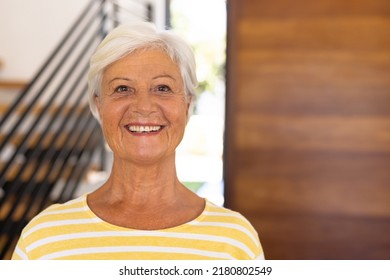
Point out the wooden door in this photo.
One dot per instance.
(307, 148)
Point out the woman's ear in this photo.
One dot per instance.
(189, 108)
(189, 103)
(98, 106)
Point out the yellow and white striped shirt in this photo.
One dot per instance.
(72, 231)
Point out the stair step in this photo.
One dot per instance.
(25, 211)
(20, 210)
(62, 141)
(40, 169)
(16, 140)
(27, 173)
(39, 109)
(13, 84)
(56, 186)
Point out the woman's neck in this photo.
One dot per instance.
(145, 197)
(142, 184)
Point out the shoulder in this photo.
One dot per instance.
(61, 208)
(223, 213)
(54, 220)
(72, 209)
(233, 225)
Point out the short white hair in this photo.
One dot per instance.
(130, 37)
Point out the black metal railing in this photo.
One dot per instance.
(49, 139)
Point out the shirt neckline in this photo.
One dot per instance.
(194, 221)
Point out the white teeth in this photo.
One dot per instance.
(143, 129)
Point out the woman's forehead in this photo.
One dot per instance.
(144, 59)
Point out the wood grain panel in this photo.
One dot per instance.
(332, 133)
(316, 34)
(307, 148)
(283, 181)
(322, 237)
(314, 82)
(316, 68)
(282, 9)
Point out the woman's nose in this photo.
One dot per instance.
(144, 103)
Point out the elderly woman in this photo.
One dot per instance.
(141, 84)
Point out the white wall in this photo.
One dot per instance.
(30, 30)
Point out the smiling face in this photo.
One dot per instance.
(143, 107)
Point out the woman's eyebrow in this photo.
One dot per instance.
(119, 78)
(164, 76)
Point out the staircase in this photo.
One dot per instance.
(49, 140)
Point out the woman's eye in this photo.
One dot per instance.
(121, 89)
(163, 88)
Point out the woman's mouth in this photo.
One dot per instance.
(144, 129)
